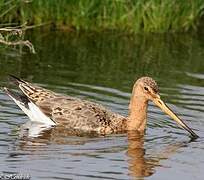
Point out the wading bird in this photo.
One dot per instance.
(44, 106)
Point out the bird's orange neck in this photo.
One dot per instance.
(137, 112)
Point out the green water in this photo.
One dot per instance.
(103, 67)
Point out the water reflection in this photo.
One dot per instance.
(143, 165)
(139, 165)
(141, 161)
(34, 132)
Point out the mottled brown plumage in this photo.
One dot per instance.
(74, 113)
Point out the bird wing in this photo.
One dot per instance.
(76, 113)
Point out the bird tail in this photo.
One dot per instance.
(20, 99)
(24, 86)
(27, 105)
(16, 80)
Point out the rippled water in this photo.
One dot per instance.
(102, 68)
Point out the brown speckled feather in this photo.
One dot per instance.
(73, 112)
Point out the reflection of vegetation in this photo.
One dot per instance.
(137, 16)
(112, 59)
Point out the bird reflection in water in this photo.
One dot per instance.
(33, 133)
(143, 165)
(140, 164)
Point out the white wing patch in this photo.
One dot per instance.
(34, 113)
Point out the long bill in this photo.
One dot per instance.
(157, 101)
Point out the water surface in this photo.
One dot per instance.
(102, 68)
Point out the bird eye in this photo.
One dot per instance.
(146, 88)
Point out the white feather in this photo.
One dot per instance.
(38, 115)
(34, 113)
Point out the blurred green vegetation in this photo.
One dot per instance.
(127, 15)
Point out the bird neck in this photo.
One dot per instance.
(137, 113)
